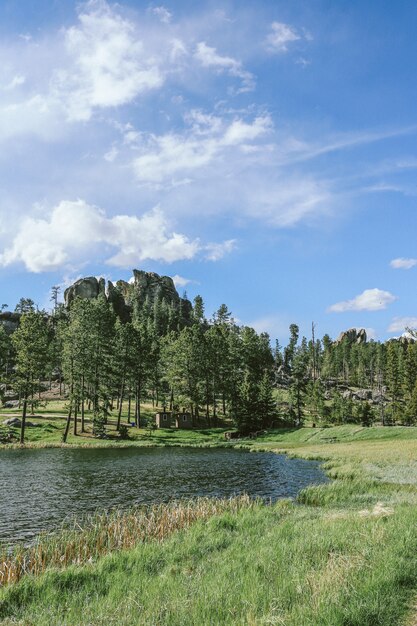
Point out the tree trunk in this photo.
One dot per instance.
(67, 425)
(22, 428)
(75, 417)
(119, 414)
(83, 405)
(138, 393)
(82, 416)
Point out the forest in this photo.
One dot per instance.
(217, 370)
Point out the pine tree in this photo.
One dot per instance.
(267, 405)
(246, 411)
(30, 342)
(410, 414)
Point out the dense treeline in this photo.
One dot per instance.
(214, 368)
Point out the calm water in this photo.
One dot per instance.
(40, 488)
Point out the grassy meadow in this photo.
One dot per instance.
(343, 554)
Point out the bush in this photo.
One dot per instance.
(123, 432)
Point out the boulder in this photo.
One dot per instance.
(10, 395)
(11, 404)
(378, 397)
(16, 422)
(363, 394)
(12, 421)
(88, 288)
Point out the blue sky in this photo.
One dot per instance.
(264, 154)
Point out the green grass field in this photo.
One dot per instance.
(344, 554)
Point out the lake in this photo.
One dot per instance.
(40, 488)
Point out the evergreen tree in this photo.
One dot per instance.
(267, 405)
(246, 410)
(410, 414)
(30, 342)
(298, 384)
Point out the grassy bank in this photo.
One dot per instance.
(346, 555)
(50, 425)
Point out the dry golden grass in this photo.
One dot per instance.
(116, 530)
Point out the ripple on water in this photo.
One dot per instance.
(40, 488)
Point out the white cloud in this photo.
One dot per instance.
(15, 82)
(280, 36)
(178, 50)
(100, 62)
(274, 325)
(239, 132)
(75, 230)
(303, 62)
(403, 264)
(368, 300)
(180, 281)
(209, 57)
(111, 155)
(284, 201)
(35, 117)
(399, 324)
(171, 154)
(216, 251)
(162, 13)
(107, 66)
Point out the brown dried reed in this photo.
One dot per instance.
(82, 542)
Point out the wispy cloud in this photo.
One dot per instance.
(296, 151)
(275, 325)
(180, 281)
(209, 57)
(403, 264)
(400, 324)
(16, 81)
(368, 300)
(162, 13)
(209, 137)
(280, 36)
(216, 251)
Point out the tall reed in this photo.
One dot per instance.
(81, 542)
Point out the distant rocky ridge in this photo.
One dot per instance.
(144, 287)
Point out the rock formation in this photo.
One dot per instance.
(353, 335)
(404, 339)
(143, 288)
(88, 288)
(151, 285)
